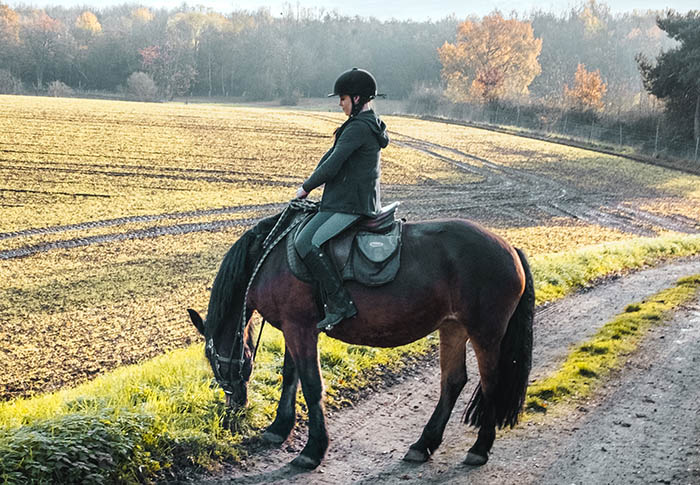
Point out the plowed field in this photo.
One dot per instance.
(116, 215)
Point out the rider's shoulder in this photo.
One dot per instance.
(359, 125)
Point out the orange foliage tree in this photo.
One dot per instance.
(42, 36)
(588, 91)
(87, 22)
(9, 26)
(9, 47)
(491, 60)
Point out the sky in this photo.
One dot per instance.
(387, 9)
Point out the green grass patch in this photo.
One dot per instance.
(123, 427)
(589, 362)
(557, 275)
(137, 422)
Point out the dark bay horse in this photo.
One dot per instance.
(455, 277)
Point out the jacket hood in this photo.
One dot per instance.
(375, 124)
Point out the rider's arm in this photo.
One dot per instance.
(324, 157)
(350, 140)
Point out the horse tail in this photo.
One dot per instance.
(514, 363)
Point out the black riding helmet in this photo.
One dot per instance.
(355, 82)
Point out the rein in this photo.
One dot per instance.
(270, 242)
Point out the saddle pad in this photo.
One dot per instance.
(296, 265)
(375, 264)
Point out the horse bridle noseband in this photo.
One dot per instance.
(234, 367)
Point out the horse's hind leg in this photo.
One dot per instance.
(280, 428)
(487, 356)
(453, 377)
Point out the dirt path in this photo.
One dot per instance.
(642, 427)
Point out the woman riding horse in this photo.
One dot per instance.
(350, 171)
(456, 278)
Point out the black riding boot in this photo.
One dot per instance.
(337, 305)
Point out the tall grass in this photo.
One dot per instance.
(144, 421)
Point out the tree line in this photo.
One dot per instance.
(586, 58)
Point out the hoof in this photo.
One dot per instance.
(272, 438)
(305, 462)
(473, 459)
(416, 456)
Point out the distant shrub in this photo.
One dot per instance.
(290, 99)
(9, 84)
(57, 89)
(141, 87)
(425, 99)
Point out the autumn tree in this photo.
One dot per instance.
(42, 36)
(588, 90)
(183, 36)
(142, 15)
(88, 23)
(85, 29)
(491, 60)
(165, 65)
(9, 26)
(675, 77)
(9, 35)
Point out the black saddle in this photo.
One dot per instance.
(367, 252)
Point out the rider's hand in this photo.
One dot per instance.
(301, 193)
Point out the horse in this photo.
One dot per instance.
(455, 277)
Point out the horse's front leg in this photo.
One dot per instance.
(302, 343)
(283, 424)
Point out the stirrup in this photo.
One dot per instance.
(333, 319)
(338, 307)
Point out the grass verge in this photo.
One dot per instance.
(560, 274)
(141, 422)
(591, 361)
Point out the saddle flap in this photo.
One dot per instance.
(377, 247)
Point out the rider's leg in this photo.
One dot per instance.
(338, 305)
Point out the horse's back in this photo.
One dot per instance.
(458, 236)
(474, 254)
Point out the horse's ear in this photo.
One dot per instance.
(197, 320)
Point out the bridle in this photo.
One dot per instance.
(228, 369)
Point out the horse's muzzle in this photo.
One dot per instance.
(238, 398)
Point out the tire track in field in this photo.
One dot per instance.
(137, 219)
(124, 236)
(186, 174)
(520, 188)
(151, 232)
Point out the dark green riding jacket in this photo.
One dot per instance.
(350, 169)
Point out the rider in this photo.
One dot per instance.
(350, 171)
